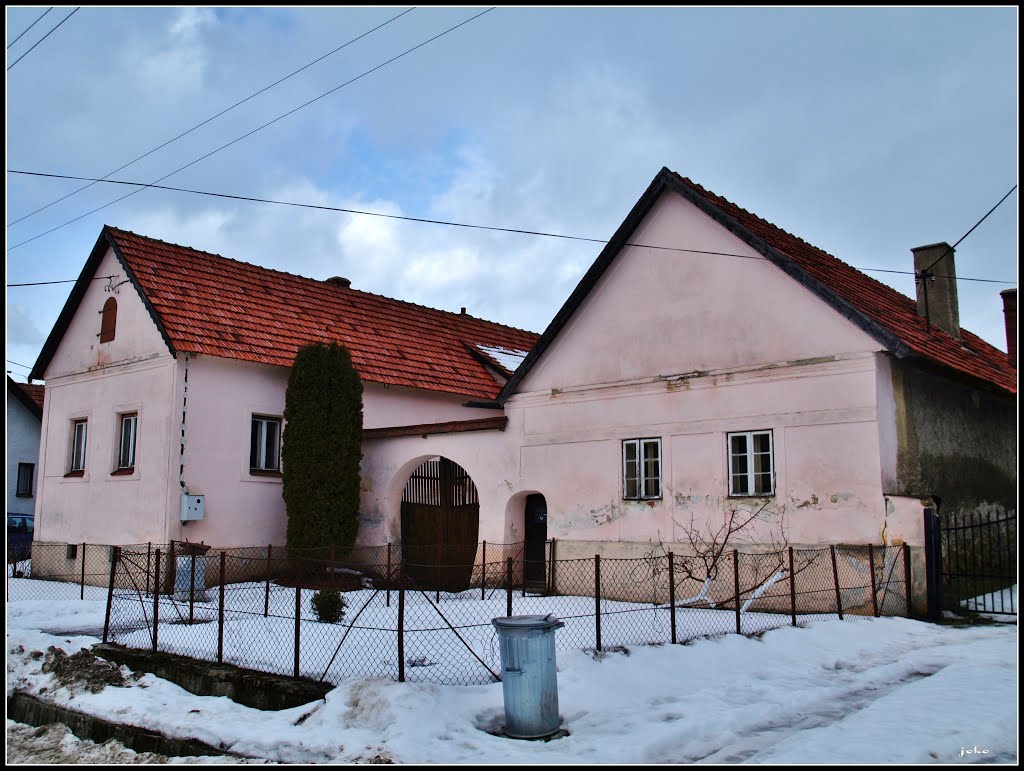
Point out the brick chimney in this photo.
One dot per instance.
(1010, 312)
(942, 308)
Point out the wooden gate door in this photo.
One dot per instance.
(440, 526)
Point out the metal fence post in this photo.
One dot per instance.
(736, 583)
(192, 590)
(792, 588)
(387, 580)
(483, 574)
(835, 576)
(266, 594)
(401, 621)
(597, 600)
(874, 590)
(172, 571)
(508, 587)
(220, 619)
(552, 583)
(933, 562)
(672, 592)
(298, 608)
(115, 552)
(82, 596)
(906, 579)
(149, 549)
(156, 598)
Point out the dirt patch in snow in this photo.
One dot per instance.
(82, 670)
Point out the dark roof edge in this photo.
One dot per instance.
(586, 284)
(497, 423)
(24, 398)
(103, 242)
(138, 288)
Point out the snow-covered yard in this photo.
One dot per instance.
(860, 690)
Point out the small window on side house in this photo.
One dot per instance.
(126, 444)
(26, 475)
(265, 444)
(641, 469)
(751, 465)
(78, 438)
(108, 320)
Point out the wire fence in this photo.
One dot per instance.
(255, 607)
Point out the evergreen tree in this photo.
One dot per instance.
(323, 435)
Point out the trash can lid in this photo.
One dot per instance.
(526, 622)
(188, 548)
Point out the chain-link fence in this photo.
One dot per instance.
(258, 607)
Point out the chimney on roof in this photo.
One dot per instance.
(463, 311)
(936, 291)
(339, 281)
(1010, 312)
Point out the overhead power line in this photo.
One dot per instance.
(16, 364)
(449, 223)
(52, 30)
(212, 118)
(258, 128)
(65, 281)
(30, 26)
(954, 246)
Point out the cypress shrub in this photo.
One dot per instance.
(322, 448)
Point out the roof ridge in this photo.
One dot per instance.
(320, 282)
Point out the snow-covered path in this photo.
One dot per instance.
(854, 691)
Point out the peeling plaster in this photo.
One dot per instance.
(812, 502)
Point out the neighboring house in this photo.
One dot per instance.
(707, 361)
(24, 423)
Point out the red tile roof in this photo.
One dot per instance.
(216, 306)
(890, 309)
(31, 394)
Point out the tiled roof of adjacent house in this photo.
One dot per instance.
(888, 315)
(887, 307)
(217, 306)
(31, 394)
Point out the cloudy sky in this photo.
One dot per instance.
(864, 131)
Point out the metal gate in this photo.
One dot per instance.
(972, 562)
(440, 525)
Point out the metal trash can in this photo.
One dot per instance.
(529, 677)
(183, 577)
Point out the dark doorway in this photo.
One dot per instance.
(440, 526)
(536, 520)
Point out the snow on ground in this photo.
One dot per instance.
(860, 690)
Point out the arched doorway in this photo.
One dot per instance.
(535, 521)
(440, 526)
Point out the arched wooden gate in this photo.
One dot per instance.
(440, 526)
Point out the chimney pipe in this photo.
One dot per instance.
(1010, 312)
(339, 281)
(936, 292)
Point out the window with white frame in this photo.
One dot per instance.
(265, 444)
(78, 437)
(126, 443)
(751, 467)
(641, 469)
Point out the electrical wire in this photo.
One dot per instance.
(30, 26)
(52, 30)
(212, 118)
(19, 365)
(954, 246)
(258, 128)
(65, 281)
(519, 231)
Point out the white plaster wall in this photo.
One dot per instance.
(23, 430)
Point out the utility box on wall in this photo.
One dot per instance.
(193, 507)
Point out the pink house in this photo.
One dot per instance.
(707, 361)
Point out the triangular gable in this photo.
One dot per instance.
(868, 306)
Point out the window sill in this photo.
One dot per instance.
(80, 473)
(264, 473)
(123, 472)
(751, 495)
(643, 500)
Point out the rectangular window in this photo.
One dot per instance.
(26, 475)
(126, 445)
(641, 469)
(265, 444)
(751, 468)
(78, 436)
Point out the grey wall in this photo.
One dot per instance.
(23, 430)
(956, 441)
